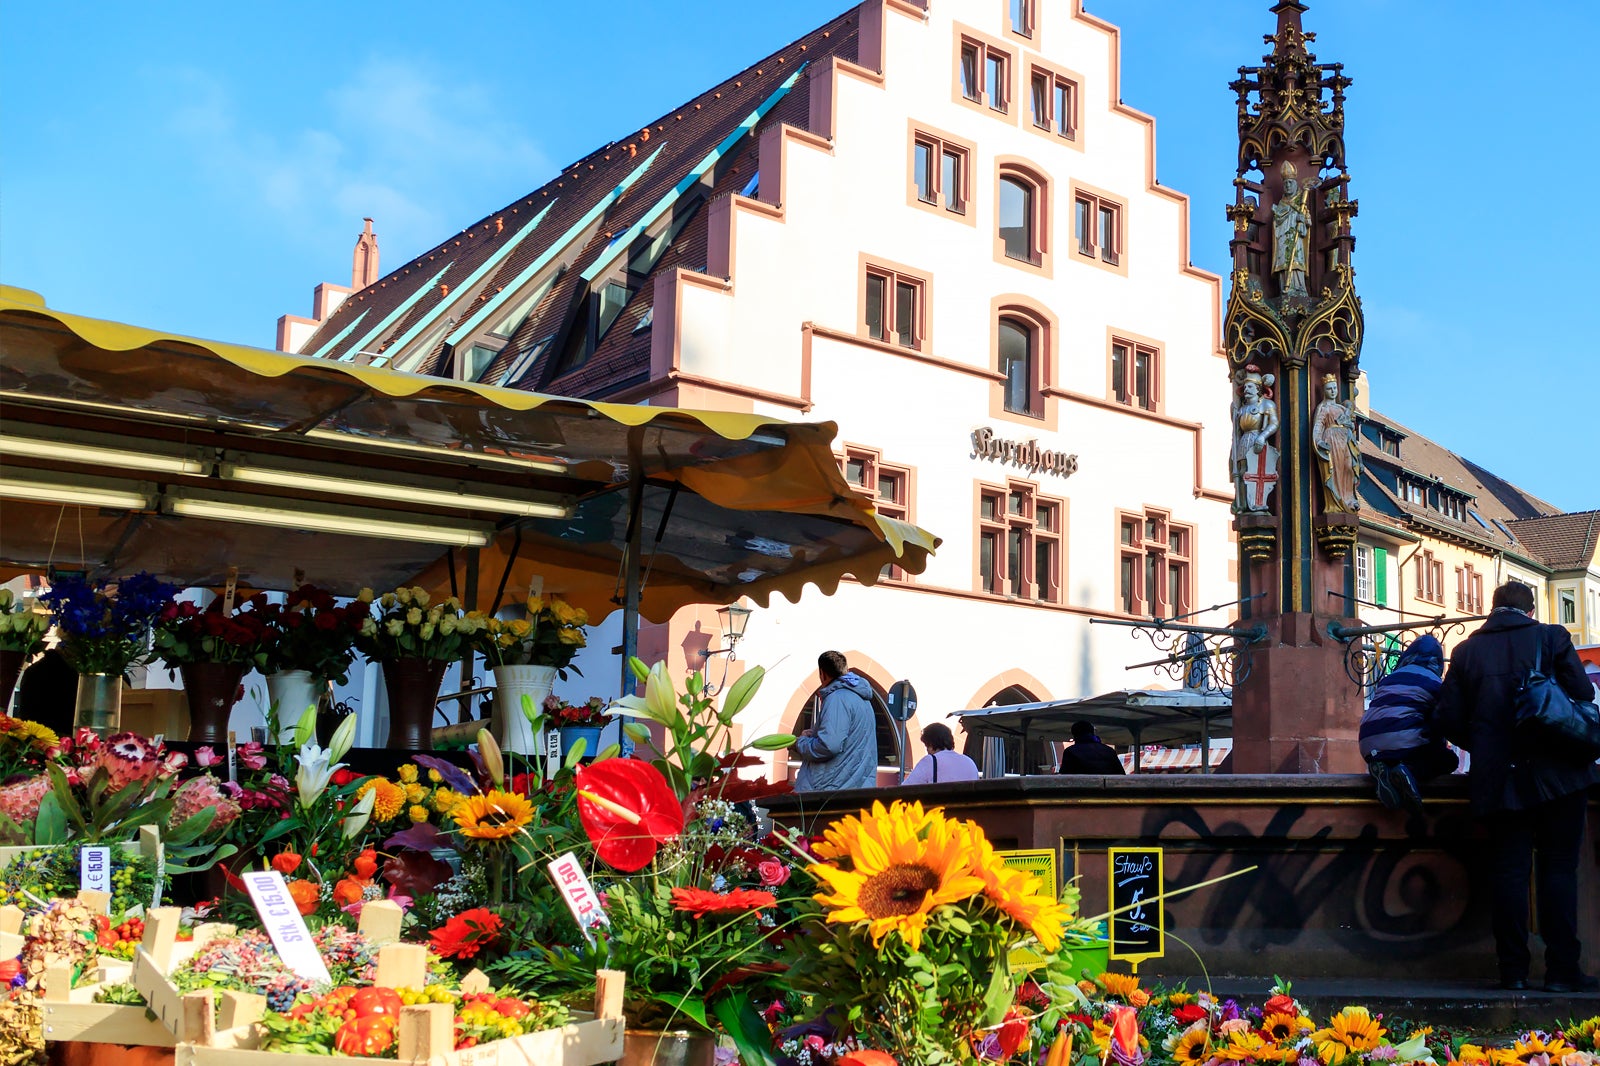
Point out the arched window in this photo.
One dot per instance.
(1019, 344)
(888, 747)
(1018, 199)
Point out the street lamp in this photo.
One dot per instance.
(734, 619)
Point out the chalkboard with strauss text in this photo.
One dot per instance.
(1138, 919)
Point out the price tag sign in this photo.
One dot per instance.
(552, 752)
(1138, 928)
(94, 869)
(233, 756)
(283, 923)
(580, 895)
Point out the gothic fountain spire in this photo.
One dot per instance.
(1293, 334)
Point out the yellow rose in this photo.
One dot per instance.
(521, 627)
(403, 597)
(580, 616)
(419, 813)
(435, 776)
(426, 632)
(414, 617)
(447, 624)
(572, 636)
(408, 773)
(395, 626)
(434, 614)
(420, 596)
(365, 595)
(535, 605)
(562, 611)
(415, 791)
(387, 601)
(369, 627)
(7, 598)
(444, 800)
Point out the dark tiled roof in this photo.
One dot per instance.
(683, 136)
(1564, 541)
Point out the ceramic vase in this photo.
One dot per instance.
(413, 686)
(511, 684)
(292, 691)
(211, 689)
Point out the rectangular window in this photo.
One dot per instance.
(888, 486)
(1430, 578)
(1155, 566)
(1040, 100)
(894, 307)
(613, 297)
(1567, 609)
(970, 88)
(1027, 527)
(1363, 574)
(1135, 375)
(1022, 17)
(1053, 102)
(1099, 222)
(939, 171)
(984, 74)
(1065, 107)
(997, 81)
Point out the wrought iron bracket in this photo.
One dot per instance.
(1366, 658)
(1205, 657)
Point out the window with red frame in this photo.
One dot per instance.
(1053, 103)
(888, 485)
(985, 74)
(1099, 227)
(1019, 542)
(1155, 565)
(1430, 578)
(940, 170)
(894, 307)
(1135, 374)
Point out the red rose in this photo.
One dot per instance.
(1280, 1004)
(325, 621)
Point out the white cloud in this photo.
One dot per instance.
(394, 141)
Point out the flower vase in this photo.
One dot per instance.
(291, 692)
(10, 669)
(99, 703)
(212, 689)
(413, 686)
(589, 734)
(653, 1047)
(511, 683)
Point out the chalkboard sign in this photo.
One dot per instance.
(1138, 920)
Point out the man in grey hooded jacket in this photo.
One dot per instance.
(840, 750)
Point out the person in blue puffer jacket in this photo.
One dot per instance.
(1398, 738)
(841, 748)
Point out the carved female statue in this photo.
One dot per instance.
(1253, 459)
(1333, 433)
(1291, 232)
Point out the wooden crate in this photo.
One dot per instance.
(148, 845)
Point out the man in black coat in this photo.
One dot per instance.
(1087, 755)
(1532, 795)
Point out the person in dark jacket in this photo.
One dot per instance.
(1531, 795)
(1397, 735)
(1088, 755)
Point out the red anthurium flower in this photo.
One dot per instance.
(867, 1057)
(700, 902)
(628, 809)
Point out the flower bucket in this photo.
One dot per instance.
(1093, 956)
(413, 686)
(589, 734)
(211, 689)
(510, 725)
(292, 691)
(652, 1047)
(99, 703)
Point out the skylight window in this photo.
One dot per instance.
(1478, 518)
(524, 362)
(645, 319)
(1501, 526)
(613, 298)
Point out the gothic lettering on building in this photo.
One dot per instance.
(1025, 454)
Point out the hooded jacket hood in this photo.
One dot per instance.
(855, 683)
(1425, 652)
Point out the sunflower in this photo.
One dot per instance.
(1284, 1028)
(1247, 1045)
(388, 801)
(1192, 1047)
(1471, 1055)
(1120, 985)
(43, 737)
(1529, 1045)
(1353, 1031)
(904, 863)
(1179, 999)
(493, 815)
(1019, 893)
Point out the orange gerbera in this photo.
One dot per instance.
(1121, 985)
(699, 902)
(388, 801)
(467, 933)
(305, 894)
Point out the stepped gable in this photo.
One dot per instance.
(1563, 541)
(683, 136)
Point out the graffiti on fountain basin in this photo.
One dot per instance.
(1401, 898)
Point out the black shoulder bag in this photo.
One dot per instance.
(1547, 714)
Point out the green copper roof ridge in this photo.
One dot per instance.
(393, 316)
(620, 244)
(426, 321)
(341, 335)
(477, 318)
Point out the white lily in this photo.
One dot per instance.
(660, 700)
(343, 737)
(315, 771)
(360, 814)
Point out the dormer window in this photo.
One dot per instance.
(613, 297)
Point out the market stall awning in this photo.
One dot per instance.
(1177, 760)
(127, 448)
(1123, 717)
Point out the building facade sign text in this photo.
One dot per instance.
(1026, 454)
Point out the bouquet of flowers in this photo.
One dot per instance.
(105, 629)
(187, 634)
(550, 635)
(911, 935)
(311, 632)
(22, 628)
(408, 627)
(558, 712)
(25, 747)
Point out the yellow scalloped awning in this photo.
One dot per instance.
(731, 505)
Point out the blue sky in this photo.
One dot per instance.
(200, 167)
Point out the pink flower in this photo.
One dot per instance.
(200, 794)
(205, 757)
(20, 802)
(773, 872)
(252, 756)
